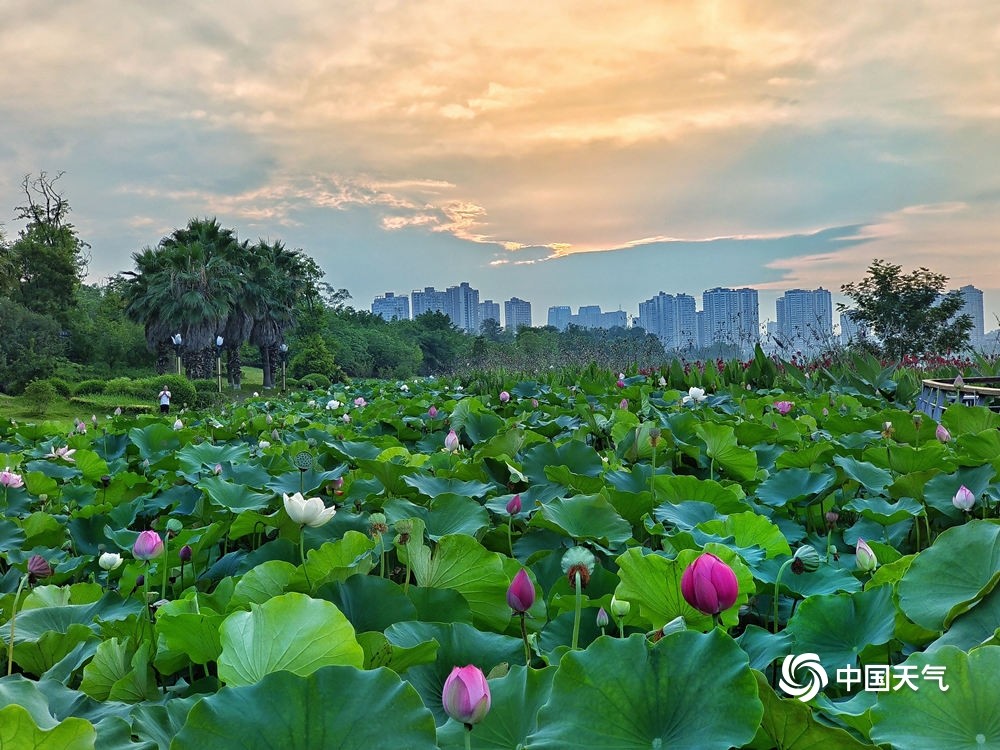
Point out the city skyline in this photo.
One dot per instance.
(569, 151)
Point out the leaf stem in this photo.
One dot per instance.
(576, 615)
(13, 618)
(302, 555)
(777, 586)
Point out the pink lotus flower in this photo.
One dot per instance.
(620, 383)
(466, 695)
(942, 434)
(709, 585)
(783, 407)
(521, 592)
(451, 442)
(359, 402)
(64, 452)
(964, 499)
(504, 397)
(432, 412)
(514, 505)
(10, 480)
(147, 546)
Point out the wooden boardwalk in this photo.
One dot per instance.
(938, 395)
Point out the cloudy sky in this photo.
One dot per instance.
(567, 152)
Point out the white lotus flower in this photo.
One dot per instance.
(307, 511)
(695, 395)
(404, 388)
(263, 444)
(109, 560)
(346, 418)
(178, 425)
(332, 404)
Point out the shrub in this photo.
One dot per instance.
(61, 386)
(39, 394)
(86, 387)
(182, 392)
(207, 393)
(316, 380)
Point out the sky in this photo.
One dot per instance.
(567, 152)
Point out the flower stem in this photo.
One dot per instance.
(406, 581)
(163, 590)
(302, 555)
(510, 536)
(13, 618)
(652, 489)
(576, 616)
(777, 586)
(468, 737)
(524, 637)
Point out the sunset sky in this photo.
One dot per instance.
(565, 152)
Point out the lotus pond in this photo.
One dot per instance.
(178, 584)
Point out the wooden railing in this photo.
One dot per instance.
(938, 395)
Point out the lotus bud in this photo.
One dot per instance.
(93, 419)
(256, 394)
(534, 403)
(118, 411)
(865, 557)
(620, 383)
(38, 567)
(269, 419)
(964, 500)
(432, 412)
(602, 618)
(662, 382)
(831, 517)
(109, 561)
(346, 418)
(942, 434)
(147, 546)
(620, 607)
(826, 412)
(451, 442)
(677, 625)
(805, 560)
(521, 592)
(217, 469)
(185, 553)
(275, 435)
(514, 505)
(178, 424)
(105, 480)
(504, 397)
(709, 585)
(466, 695)
(623, 404)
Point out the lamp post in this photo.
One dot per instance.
(178, 342)
(283, 353)
(218, 359)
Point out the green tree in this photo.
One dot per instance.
(909, 313)
(48, 259)
(30, 347)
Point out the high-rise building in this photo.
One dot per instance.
(429, 300)
(672, 318)
(851, 331)
(559, 317)
(587, 316)
(731, 317)
(391, 306)
(489, 310)
(516, 314)
(685, 330)
(805, 320)
(463, 307)
(973, 307)
(613, 319)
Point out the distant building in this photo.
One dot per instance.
(429, 300)
(805, 320)
(673, 319)
(460, 303)
(559, 317)
(851, 332)
(516, 314)
(973, 307)
(391, 307)
(587, 316)
(489, 310)
(732, 317)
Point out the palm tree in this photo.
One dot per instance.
(188, 285)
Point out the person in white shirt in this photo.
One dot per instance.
(164, 400)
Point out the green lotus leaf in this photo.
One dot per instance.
(461, 563)
(722, 447)
(631, 695)
(585, 517)
(120, 672)
(949, 577)
(18, 731)
(339, 560)
(749, 530)
(882, 512)
(961, 420)
(196, 457)
(789, 725)
(263, 582)
(517, 698)
(973, 628)
(379, 652)
(369, 602)
(235, 497)
(333, 707)
(940, 490)
(289, 632)
(154, 441)
(187, 637)
(456, 514)
(682, 488)
(787, 485)
(966, 716)
(575, 455)
(434, 486)
(838, 627)
(868, 475)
